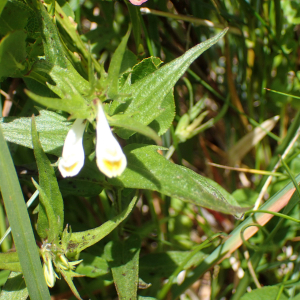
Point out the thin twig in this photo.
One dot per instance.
(251, 270)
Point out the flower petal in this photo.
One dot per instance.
(72, 159)
(137, 2)
(111, 160)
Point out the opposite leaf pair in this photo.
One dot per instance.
(110, 158)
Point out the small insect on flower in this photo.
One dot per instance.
(72, 159)
(111, 160)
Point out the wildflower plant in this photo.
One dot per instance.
(99, 133)
(104, 107)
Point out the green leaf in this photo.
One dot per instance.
(20, 16)
(296, 297)
(123, 258)
(246, 196)
(72, 39)
(10, 261)
(162, 265)
(135, 17)
(82, 240)
(164, 120)
(54, 50)
(89, 182)
(92, 266)
(72, 102)
(123, 121)
(66, 8)
(52, 129)
(4, 276)
(112, 81)
(13, 55)
(148, 94)
(149, 170)
(69, 84)
(51, 210)
(129, 60)
(20, 225)
(266, 293)
(68, 277)
(14, 288)
(60, 66)
(144, 68)
(2, 5)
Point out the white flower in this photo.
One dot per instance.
(72, 159)
(111, 160)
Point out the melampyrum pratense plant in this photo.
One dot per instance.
(97, 127)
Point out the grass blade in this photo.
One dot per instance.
(21, 227)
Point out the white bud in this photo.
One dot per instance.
(49, 273)
(111, 160)
(72, 159)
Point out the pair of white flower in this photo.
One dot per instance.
(110, 158)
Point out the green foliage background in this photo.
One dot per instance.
(183, 84)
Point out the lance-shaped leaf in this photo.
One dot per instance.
(82, 240)
(123, 258)
(51, 210)
(147, 169)
(147, 94)
(115, 66)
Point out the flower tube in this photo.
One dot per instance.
(72, 159)
(111, 160)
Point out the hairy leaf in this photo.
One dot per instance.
(149, 170)
(123, 258)
(148, 94)
(81, 240)
(51, 210)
